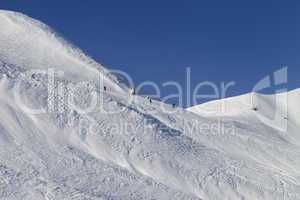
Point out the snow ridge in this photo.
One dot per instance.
(31, 44)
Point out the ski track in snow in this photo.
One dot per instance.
(42, 156)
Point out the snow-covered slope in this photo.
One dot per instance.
(280, 111)
(126, 147)
(30, 44)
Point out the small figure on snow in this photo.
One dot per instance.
(132, 91)
(150, 100)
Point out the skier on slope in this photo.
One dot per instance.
(132, 91)
(150, 100)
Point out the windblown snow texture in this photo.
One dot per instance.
(44, 155)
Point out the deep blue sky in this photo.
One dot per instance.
(239, 41)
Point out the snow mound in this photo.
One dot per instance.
(126, 147)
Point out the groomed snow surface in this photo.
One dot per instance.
(222, 150)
